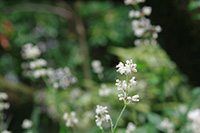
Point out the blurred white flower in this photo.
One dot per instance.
(3, 96)
(38, 63)
(4, 106)
(167, 125)
(141, 26)
(101, 109)
(97, 68)
(146, 10)
(130, 127)
(30, 52)
(39, 73)
(70, 119)
(134, 14)
(61, 77)
(26, 124)
(6, 131)
(104, 91)
(182, 108)
(194, 117)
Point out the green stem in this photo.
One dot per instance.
(127, 78)
(119, 117)
(1, 121)
(137, 7)
(111, 122)
(102, 130)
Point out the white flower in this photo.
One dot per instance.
(154, 35)
(133, 99)
(127, 68)
(27, 124)
(102, 115)
(98, 121)
(4, 106)
(130, 127)
(30, 52)
(97, 67)
(194, 116)
(39, 73)
(121, 85)
(141, 26)
(61, 77)
(121, 68)
(132, 82)
(70, 119)
(122, 96)
(3, 96)
(37, 63)
(134, 14)
(6, 131)
(146, 10)
(104, 91)
(101, 109)
(167, 125)
(158, 28)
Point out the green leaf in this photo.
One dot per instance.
(193, 5)
(154, 118)
(148, 128)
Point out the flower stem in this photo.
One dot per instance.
(119, 117)
(102, 130)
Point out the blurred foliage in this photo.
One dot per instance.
(195, 5)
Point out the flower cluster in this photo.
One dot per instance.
(33, 66)
(97, 68)
(194, 116)
(30, 52)
(26, 124)
(102, 116)
(125, 85)
(70, 119)
(104, 91)
(3, 105)
(167, 125)
(61, 78)
(142, 27)
(127, 68)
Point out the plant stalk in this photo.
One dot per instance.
(119, 117)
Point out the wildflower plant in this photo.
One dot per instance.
(70, 119)
(3, 105)
(141, 25)
(123, 87)
(55, 80)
